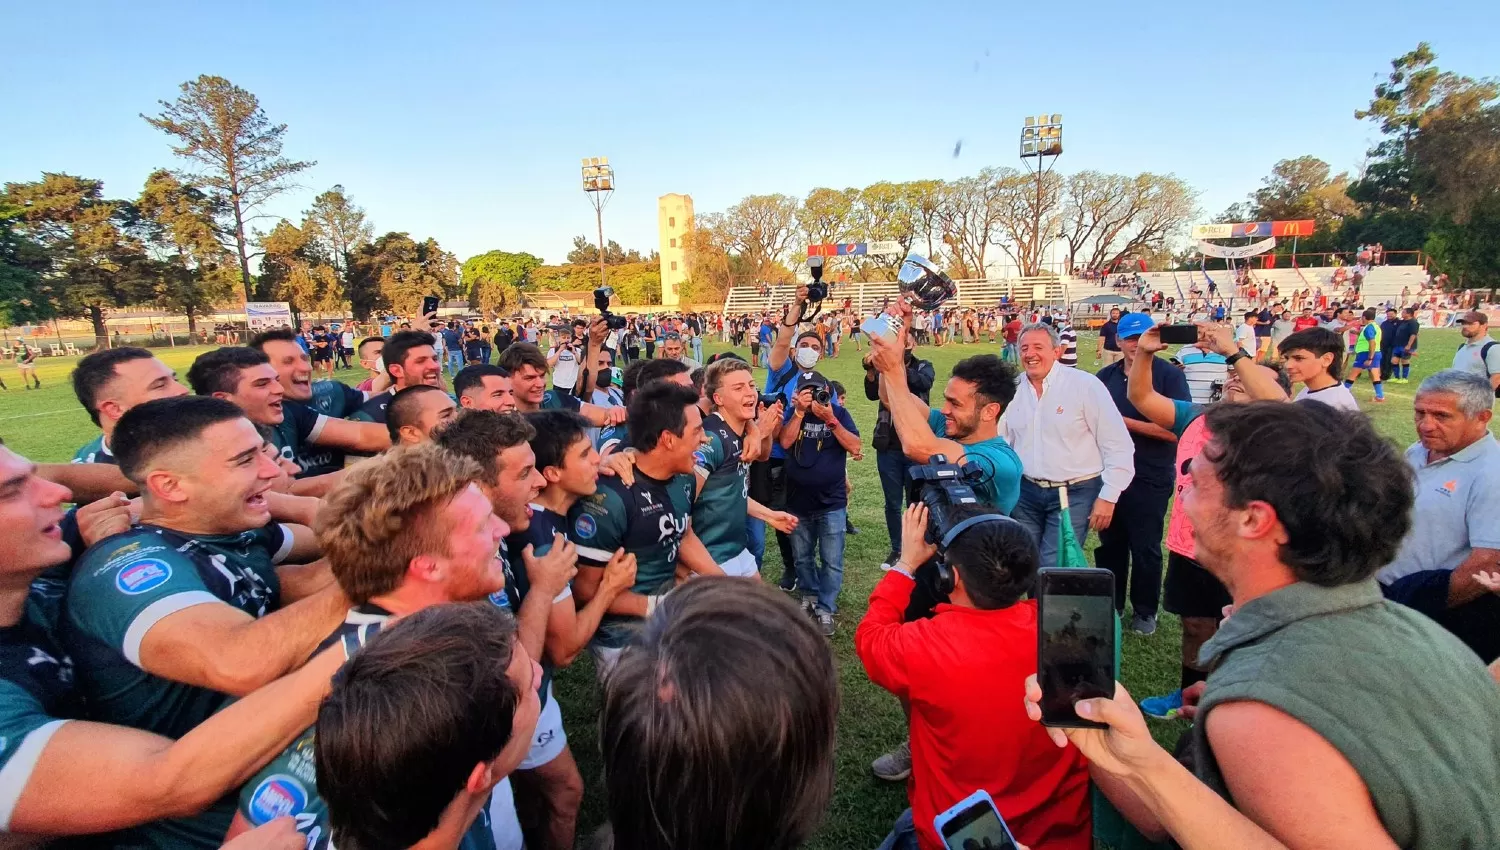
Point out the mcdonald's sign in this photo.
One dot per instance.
(1301, 227)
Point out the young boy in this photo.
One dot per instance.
(1314, 358)
(1364, 343)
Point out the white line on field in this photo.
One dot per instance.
(43, 413)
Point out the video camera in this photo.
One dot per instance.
(940, 486)
(602, 295)
(816, 291)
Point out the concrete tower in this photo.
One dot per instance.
(674, 218)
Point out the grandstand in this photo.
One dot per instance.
(1381, 284)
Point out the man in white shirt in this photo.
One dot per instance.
(1068, 432)
(562, 359)
(1204, 369)
(1245, 334)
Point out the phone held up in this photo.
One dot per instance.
(973, 822)
(429, 305)
(1178, 334)
(1075, 641)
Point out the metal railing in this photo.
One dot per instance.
(871, 296)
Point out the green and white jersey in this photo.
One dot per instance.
(288, 785)
(724, 502)
(555, 400)
(335, 399)
(37, 692)
(297, 434)
(648, 519)
(96, 451)
(125, 584)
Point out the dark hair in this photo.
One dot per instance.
(151, 428)
(557, 431)
(997, 560)
(218, 371)
(400, 343)
(1317, 342)
(520, 354)
(993, 378)
(629, 378)
(656, 370)
(483, 435)
(697, 379)
(1369, 314)
(404, 408)
(807, 335)
(1342, 492)
(258, 342)
(369, 339)
(473, 376)
(656, 408)
(440, 677)
(726, 687)
(97, 369)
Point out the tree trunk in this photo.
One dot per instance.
(240, 246)
(101, 333)
(192, 317)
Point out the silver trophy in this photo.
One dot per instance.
(923, 285)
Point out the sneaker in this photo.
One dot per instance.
(1143, 625)
(890, 561)
(809, 606)
(825, 622)
(1163, 707)
(894, 766)
(1378, 399)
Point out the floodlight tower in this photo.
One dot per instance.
(1041, 141)
(599, 185)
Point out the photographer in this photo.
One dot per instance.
(958, 672)
(817, 453)
(564, 357)
(890, 459)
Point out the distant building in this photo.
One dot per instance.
(674, 218)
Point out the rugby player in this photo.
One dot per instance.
(528, 376)
(723, 496)
(650, 517)
(405, 531)
(614, 438)
(333, 399)
(51, 759)
(416, 413)
(462, 689)
(484, 387)
(189, 605)
(112, 381)
(410, 359)
(245, 377)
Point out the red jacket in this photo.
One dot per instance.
(964, 672)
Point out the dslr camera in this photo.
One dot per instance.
(601, 303)
(816, 291)
(940, 486)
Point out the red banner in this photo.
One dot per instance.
(1303, 227)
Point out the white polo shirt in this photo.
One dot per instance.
(1457, 509)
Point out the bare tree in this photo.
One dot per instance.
(1028, 216)
(221, 128)
(1106, 217)
(761, 229)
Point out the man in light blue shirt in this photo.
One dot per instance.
(1455, 530)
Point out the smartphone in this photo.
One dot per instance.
(974, 824)
(1179, 334)
(429, 304)
(1075, 641)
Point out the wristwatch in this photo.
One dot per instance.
(1235, 358)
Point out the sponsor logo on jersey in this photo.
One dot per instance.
(585, 527)
(500, 600)
(143, 575)
(277, 796)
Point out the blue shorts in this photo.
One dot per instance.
(1367, 360)
(1398, 352)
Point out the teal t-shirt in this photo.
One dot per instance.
(722, 505)
(647, 518)
(1001, 485)
(37, 692)
(1183, 414)
(95, 451)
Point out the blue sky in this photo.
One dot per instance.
(466, 121)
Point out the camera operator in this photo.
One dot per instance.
(890, 459)
(958, 673)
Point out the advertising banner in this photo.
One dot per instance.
(261, 315)
(1254, 229)
(1240, 252)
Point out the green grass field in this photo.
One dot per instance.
(48, 425)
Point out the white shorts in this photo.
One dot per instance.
(504, 825)
(741, 565)
(550, 739)
(605, 659)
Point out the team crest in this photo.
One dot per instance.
(585, 527)
(143, 575)
(278, 796)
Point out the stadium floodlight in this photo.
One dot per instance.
(599, 185)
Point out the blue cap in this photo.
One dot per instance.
(1134, 324)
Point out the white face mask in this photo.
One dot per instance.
(807, 357)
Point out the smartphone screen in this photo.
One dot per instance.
(429, 304)
(1076, 641)
(1179, 334)
(977, 827)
